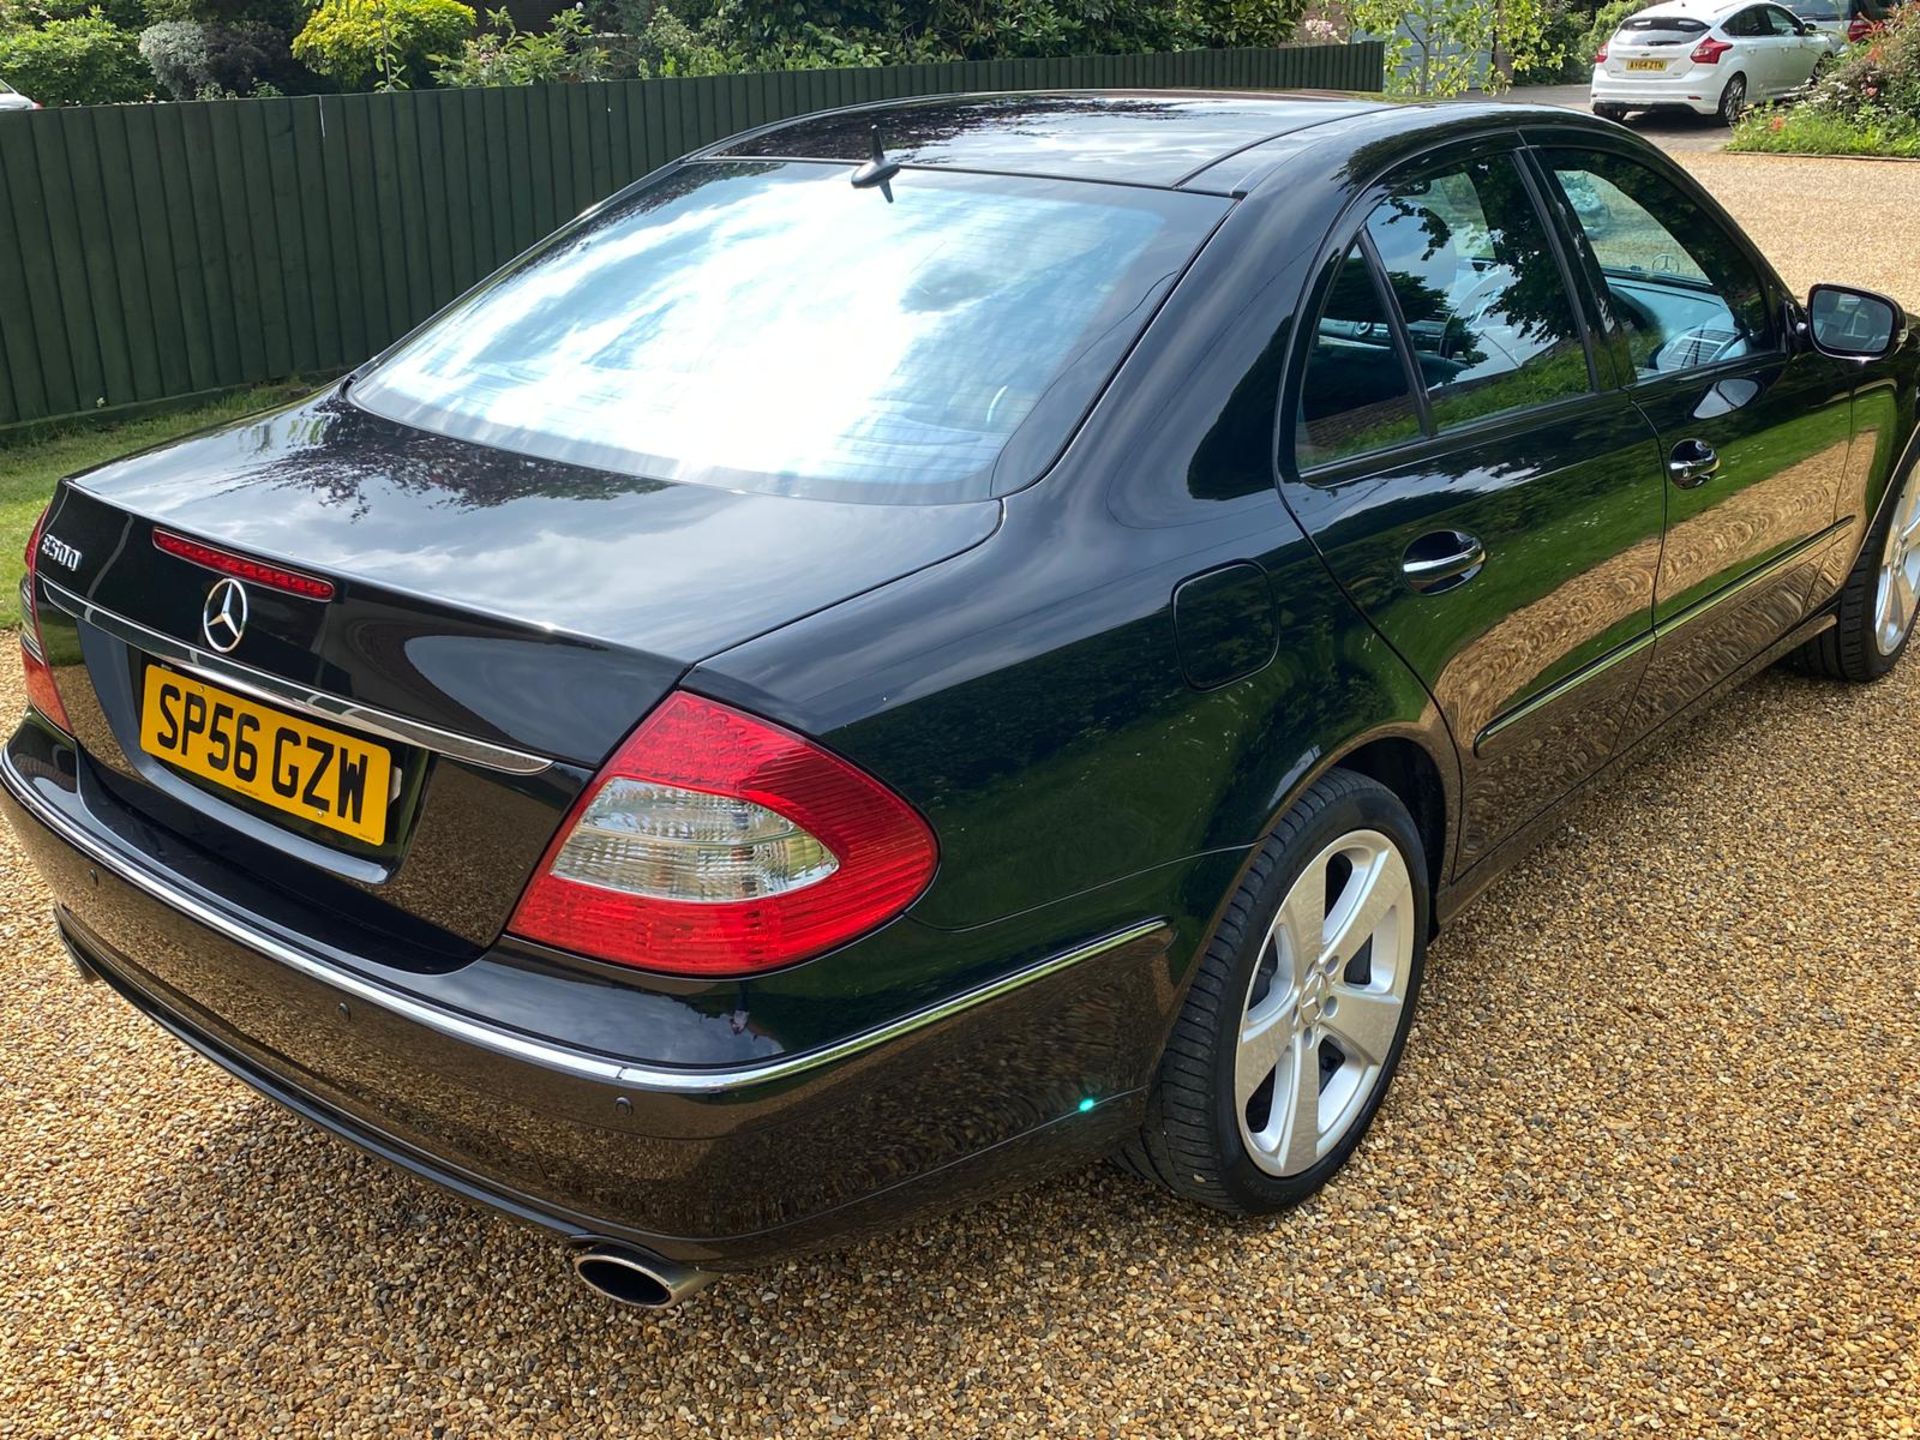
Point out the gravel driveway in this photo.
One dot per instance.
(1849, 221)
(1651, 1165)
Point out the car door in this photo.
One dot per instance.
(1489, 504)
(1797, 51)
(1759, 53)
(1753, 428)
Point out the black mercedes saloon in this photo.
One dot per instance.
(925, 644)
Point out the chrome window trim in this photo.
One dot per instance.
(209, 665)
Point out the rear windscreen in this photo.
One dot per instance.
(1680, 24)
(771, 327)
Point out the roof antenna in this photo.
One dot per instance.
(878, 170)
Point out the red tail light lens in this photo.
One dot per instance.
(42, 694)
(715, 843)
(1600, 56)
(1709, 51)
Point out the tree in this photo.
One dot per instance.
(1441, 47)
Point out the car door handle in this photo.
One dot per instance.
(1442, 559)
(1692, 463)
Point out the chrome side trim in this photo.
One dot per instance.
(1564, 686)
(1666, 627)
(271, 688)
(1746, 582)
(525, 1048)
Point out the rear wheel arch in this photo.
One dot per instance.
(1404, 766)
(1402, 760)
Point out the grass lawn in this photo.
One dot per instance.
(30, 468)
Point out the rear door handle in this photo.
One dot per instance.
(1442, 559)
(1692, 463)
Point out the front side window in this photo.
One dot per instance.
(1354, 395)
(1677, 284)
(1486, 307)
(767, 326)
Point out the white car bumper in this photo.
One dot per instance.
(1698, 93)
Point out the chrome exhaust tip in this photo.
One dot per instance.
(631, 1276)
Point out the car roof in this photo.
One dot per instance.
(1707, 10)
(1142, 137)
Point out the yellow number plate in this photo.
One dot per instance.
(323, 775)
(1646, 64)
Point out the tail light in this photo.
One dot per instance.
(1709, 51)
(1600, 56)
(715, 843)
(42, 694)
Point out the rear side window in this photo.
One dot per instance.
(1486, 308)
(1676, 283)
(1354, 393)
(767, 326)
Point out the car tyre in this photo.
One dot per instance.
(1330, 1009)
(1615, 113)
(1733, 101)
(1874, 623)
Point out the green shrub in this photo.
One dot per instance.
(83, 61)
(700, 37)
(192, 61)
(508, 55)
(392, 41)
(176, 52)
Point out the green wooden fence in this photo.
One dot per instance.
(155, 251)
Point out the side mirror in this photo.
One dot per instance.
(1854, 324)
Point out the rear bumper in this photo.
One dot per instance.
(716, 1166)
(1700, 94)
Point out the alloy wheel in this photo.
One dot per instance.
(1325, 1001)
(1733, 101)
(1898, 589)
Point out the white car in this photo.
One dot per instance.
(1710, 56)
(12, 99)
